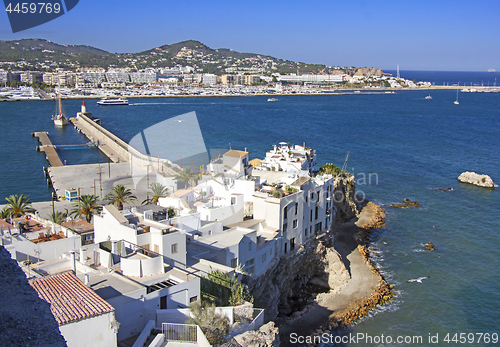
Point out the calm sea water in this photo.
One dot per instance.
(409, 145)
(467, 78)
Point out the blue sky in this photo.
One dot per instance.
(417, 35)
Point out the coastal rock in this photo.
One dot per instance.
(476, 179)
(430, 246)
(266, 336)
(406, 203)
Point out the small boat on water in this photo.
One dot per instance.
(456, 101)
(428, 97)
(113, 102)
(272, 99)
(58, 117)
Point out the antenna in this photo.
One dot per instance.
(397, 75)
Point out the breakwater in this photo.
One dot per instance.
(118, 150)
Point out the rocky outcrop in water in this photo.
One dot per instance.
(406, 203)
(476, 179)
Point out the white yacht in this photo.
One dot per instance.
(428, 97)
(272, 99)
(113, 102)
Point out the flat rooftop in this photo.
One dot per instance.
(108, 286)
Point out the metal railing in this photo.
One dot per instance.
(180, 332)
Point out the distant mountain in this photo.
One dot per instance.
(44, 55)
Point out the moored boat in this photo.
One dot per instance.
(58, 117)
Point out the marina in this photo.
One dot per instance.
(331, 123)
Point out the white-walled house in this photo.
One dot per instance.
(36, 240)
(159, 237)
(290, 159)
(300, 215)
(143, 285)
(84, 318)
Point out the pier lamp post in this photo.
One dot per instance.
(53, 208)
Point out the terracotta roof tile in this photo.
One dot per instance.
(70, 300)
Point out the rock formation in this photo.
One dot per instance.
(406, 203)
(266, 336)
(430, 246)
(476, 179)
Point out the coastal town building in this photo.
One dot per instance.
(31, 239)
(209, 79)
(84, 318)
(311, 79)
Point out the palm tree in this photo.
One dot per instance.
(186, 175)
(4, 214)
(18, 206)
(158, 191)
(85, 207)
(57, 217)
(120, 196)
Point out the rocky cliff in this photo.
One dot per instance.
(315, 267)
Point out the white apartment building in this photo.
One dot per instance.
(118, 76)
(143, 77)
(311, 79)
(209, 79)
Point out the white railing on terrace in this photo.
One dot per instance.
(180, 332)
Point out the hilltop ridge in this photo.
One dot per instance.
(45, 55)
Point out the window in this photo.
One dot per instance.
(285, 212)
(317, 227)
(316, 213)
(305, 231)
(310, 229)
(250, 246)
(233, 200)
(249, 266)
(292, 243)
(285, 246)
(285, 227)
(264, 256)
(234, 262)
(173, 248)
(295, 223)
(156, 248)
(311, 215)
(296, 207)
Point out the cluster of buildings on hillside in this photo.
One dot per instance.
(137, 269)
(117, 78)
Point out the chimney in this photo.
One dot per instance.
(87, 280)
(83, 256)
(73, 261)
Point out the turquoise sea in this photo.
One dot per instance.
(406, 145)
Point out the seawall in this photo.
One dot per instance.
(118, 150)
